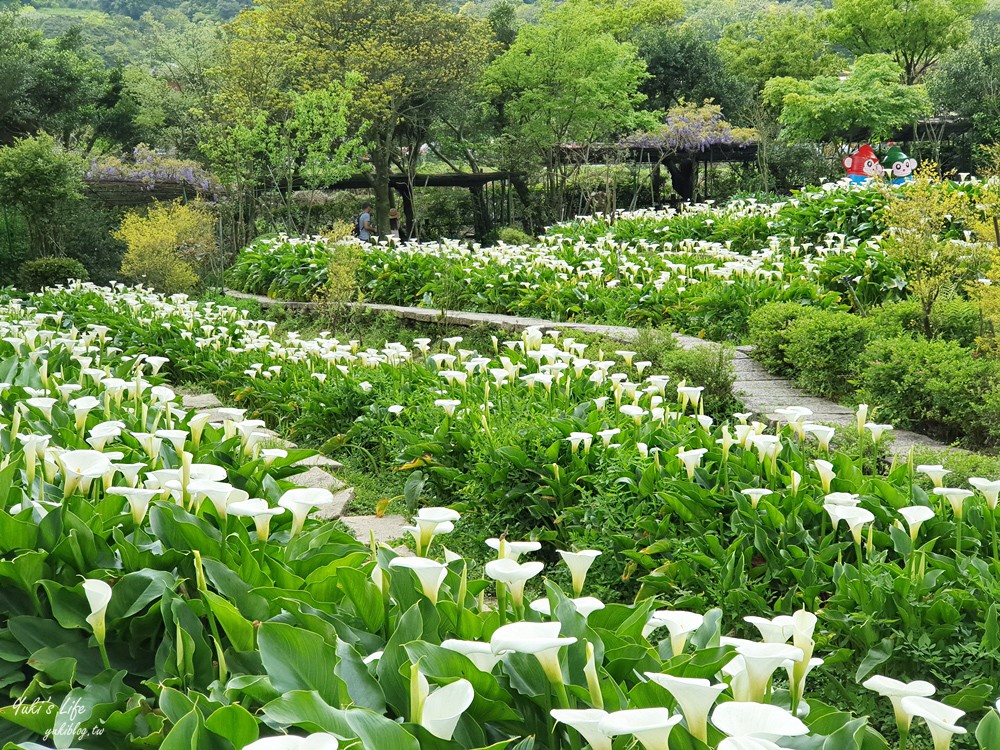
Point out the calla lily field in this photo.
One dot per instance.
(165, 583)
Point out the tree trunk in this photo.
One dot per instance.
(683, 177)
(656, 184)
(480, 212)
(530, 220)
(380, 183)
(407, 232)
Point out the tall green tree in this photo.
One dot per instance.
(40, 180)
(409, 54)
(781, 41)
(566, 80)
(684, 65)
(915, 33)
(967, 81)
(870, 102)
(59, 86)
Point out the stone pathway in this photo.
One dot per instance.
(761, 391)
(320, 473)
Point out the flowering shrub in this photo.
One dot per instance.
(149, 168)
(166, 244)
(692, 127)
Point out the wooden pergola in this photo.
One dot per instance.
(682, 164)
(491, 191)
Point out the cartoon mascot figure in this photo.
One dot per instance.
(863, 166)
(898, 166)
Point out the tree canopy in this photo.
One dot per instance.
(870, 102)
(780, 41)
(915, 33)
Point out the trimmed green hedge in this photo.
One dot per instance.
(941, 387)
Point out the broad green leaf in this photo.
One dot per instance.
(988, 731)
(362, 688)
(306, 710)
(878, 654)
(297, 659)
(234, 723)
(238, 629)
(376, 730)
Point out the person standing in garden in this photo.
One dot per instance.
(364, 225)
(394, 224)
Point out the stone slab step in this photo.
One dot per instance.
(323, 462)
(342, 499)
(385, 528)
(316, 477)
(200, 401)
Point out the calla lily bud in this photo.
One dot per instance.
(593, 679)
(98, 597)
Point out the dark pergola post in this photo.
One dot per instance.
(656, 183)
(406, 196)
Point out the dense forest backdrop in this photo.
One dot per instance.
(254, 112)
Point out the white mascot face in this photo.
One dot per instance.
(904, 167)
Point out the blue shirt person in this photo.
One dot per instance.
(365, 228)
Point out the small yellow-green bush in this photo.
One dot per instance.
(166, 245)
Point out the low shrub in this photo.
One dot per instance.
(710, 367)
(655, 345)
(936, 387)
(952, 320)
(825, 348)
(35, 275)
(769, 333)
(514, 236)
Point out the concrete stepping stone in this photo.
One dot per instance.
(335, 510)
(323, 462)
(200, 401)
(316, 477)
(385, 528)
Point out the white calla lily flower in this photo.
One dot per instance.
(513, 550)
(98, 598)
(259, 511)
(915, 516)
(760, 720)
(694, 696)
(679, 623)
(477, 652)
(896, 691)
(138, 500)
(940, 718)
(761, 660)
(430, 573)
(586, 721)
(301, 501)
(444, 707)
(585, 605)
(579, 563)
(514, 575)
(318, 741)
(539, 639)
(651, 726)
